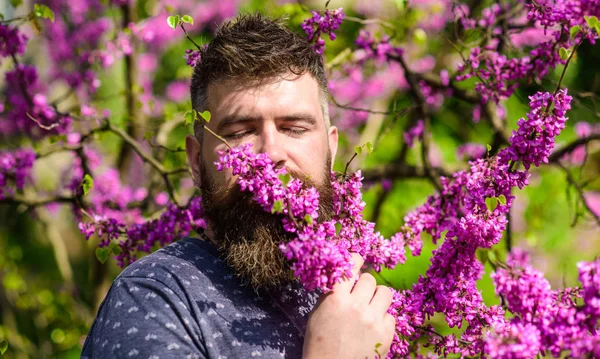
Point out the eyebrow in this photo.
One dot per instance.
(235, 119)
(299, 117)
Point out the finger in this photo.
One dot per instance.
(347, 283)
(389, 323)
(364, 289)
(382, 299)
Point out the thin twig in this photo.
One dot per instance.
(151, 160)
(579, 190)
(399, 170)
(560, 153)
(189, 37)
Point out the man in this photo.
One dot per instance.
(229, 294)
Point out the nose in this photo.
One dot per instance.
(271, 143)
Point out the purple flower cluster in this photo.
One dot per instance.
(379, 50)
(315, 262)
(513, 341)
(12, 42)
(546, 320)
(172, 224)
(320, 255)
(192, 57)
(552, 20)
(449, 285)
(359, 233)
(535, 137)
(589, 276)
(76, 43)
(322, 23)
(498, 74)
(14, 168)
(553, 12)
(28, 111)
(414, 133)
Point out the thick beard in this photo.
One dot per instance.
(248, 237)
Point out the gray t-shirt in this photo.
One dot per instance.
(183, 301)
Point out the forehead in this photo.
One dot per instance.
(269, 99)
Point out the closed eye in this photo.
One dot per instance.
(238, 135)
(295, 132)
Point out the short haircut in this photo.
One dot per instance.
(255, 49)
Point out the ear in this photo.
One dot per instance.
(333, 143)
(193, 149)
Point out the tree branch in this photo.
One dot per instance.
(399, 170)
(150, 160)
(560, 153)
(579, 190)
(423, 111)
(36, 201)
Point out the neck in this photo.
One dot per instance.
(208, 235)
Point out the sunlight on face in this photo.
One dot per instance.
(283, 118)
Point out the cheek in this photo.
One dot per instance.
(311, 158)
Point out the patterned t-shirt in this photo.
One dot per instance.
(183, 301)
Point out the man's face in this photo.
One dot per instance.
(283, 118)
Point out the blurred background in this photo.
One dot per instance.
(135, 73)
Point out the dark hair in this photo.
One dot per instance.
(253, 48)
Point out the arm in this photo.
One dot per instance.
(350, 320)
(142, 317)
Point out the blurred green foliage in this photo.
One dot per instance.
(46, 310)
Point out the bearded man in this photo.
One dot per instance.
(229, 294)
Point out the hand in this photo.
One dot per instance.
(350, 320)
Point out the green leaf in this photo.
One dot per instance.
(87, 184)
(377, 349)
(148, 136)
(597, 28)
(16, 3)
(399, 4)
(369, 147)
(575, 30)
(491, 203)
(35, 23)
(419, 36)
(358, 149)
(277, 207)
(173, 21)
(1, 16)
(285, 178)
(338, 228)
(43, 12)
(489, 148)
(206, 116)
(502, 199)
(189, 117)
(114, 248)
(102, 254)
(591, 20)
(482, 255)
(308, 219)
(187, 19)
(492, 256)
(3, 346)
(564, 53)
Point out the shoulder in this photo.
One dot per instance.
(184, 259)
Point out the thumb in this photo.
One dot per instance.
(347, 283)
(358, 262)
